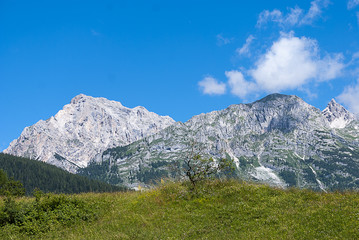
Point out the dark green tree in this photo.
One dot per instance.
(10, 187)
(3, 177)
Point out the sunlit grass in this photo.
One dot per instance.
(215, 210)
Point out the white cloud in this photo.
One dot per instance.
(222, 40)
(266, 16)
(353, 65)
(296, 16)
(330, 67)
(239, 86)
(354, 61)
(211, 86)
(355, 56)
(287, 65)
(244, 50)
(352, 4)
(350, 97)
(314, 11)
(292, 62)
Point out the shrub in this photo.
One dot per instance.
(44, 213)
(10, 187)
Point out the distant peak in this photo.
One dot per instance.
(337, 115)
(334, 103)
(140, 108)
(333, 106)
(94, 100)
(79, 98)
(275, 96)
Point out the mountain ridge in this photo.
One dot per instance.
(280, 140)
(83, 128)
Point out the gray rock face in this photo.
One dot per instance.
(279, 140)
(85, 127)
(337, 115)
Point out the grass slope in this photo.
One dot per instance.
(216, 210)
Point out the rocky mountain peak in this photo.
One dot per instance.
(79, 98)
(280, 140)
(83, 99)
(337, 115)
(280, 102)
(275, 97)
(84, 128)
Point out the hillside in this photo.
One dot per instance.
(279, 140)
(216, 210)
(48, 178)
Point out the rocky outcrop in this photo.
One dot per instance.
(85, 127)
(337, 115)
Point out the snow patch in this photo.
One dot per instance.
(339, 123)
(267, 175)
(321, 185)
(234, 158)
(297, 155)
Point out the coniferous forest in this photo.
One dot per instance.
(48, 178)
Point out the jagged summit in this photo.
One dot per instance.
(84, 128)
(276, 96)
(280, 140)
(82, 98)
(337, 115)
(278, 100)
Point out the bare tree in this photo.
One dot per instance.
(198, 168)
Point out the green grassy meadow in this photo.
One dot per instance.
(214, 210)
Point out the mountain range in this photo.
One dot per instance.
(279, 140)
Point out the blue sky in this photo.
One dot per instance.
(176, 58)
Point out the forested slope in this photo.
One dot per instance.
(48, 178)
